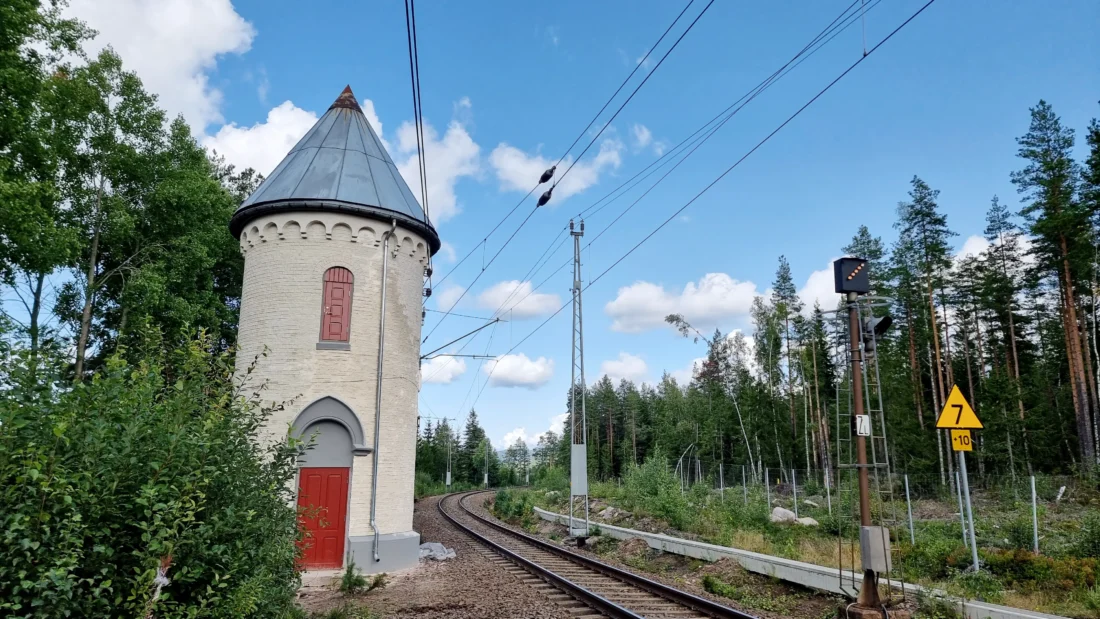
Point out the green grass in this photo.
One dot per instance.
(1063, 579)
(747, 597)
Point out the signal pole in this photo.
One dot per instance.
(868, 591)
(578, 428)
(852, 279)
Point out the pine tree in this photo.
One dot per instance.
(1060, 223)
(787, 305)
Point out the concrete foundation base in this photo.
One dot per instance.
(863, 612)
(396, 551)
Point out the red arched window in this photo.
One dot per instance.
(336, 315)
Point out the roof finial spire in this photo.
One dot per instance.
(346, 100)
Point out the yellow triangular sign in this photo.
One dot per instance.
(957, 414)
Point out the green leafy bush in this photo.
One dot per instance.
(932, 559)
(1024, 570)
(1088, 541)
(514, 506)
(981, 586)
(139, 467)
(353, 580)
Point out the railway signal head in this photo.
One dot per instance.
(873, 328)
(851, 275)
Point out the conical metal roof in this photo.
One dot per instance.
(339, 165)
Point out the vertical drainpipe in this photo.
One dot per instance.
(378, 389)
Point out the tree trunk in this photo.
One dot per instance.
(86, 313)
(939, 434)
(937, 369)
(89, 290)
(790, 381)
(1081, 406)
(947, 342)
(1090, 380)
(918, 389)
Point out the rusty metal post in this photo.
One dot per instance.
(868, 591)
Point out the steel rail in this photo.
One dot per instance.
(593, 600)
(683, 598)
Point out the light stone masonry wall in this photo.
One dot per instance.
(286, 256)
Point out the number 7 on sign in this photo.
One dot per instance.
(863, 425)
(959, 409)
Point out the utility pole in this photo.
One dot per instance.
(578, 427)
(868, 591)
(852, 279)
(486, 461)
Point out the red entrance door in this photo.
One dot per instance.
(325, 489)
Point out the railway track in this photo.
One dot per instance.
(586, 587)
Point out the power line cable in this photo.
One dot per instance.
(636, 89)
(831, 31)
(728, 170)
(418, 116)
(549, 173)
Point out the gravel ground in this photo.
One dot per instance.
(466, 587)
(686, 574)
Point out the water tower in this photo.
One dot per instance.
(335, 248)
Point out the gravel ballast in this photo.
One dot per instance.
(466, 587)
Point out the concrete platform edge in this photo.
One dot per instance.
(805, 574)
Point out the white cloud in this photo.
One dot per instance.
(659, 148)
(642, 136)
(442, 370)
(628, 366)
(974, 245)
(516, 297)
(519, 171)
(263, 145)
(447, 251)
(556, 424)
(372, 117)
(447, 297)
(644, 61)
(518, 433)
(642, 306)
(172, 45)
(450, 158)
(820, 287)
(519, 371)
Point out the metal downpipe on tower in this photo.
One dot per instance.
(378, 389)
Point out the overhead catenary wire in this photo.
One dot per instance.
(549, 172)
(637, 88)
(697, 137)
(726, 172)
(418, 116)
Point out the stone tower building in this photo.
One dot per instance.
(335, 249)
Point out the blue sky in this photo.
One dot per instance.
(505, 86)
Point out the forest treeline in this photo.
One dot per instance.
(113, 218)
(126, 447)
(1014, 327)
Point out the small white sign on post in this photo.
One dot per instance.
(863, 425)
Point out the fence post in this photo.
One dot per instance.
(1034, 518)
(744, 486)
(828, 492)
(721, 481)
(909, 508)
(794, 489)
(768, 489)
(962, 514)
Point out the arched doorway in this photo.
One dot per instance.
(323, 481)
